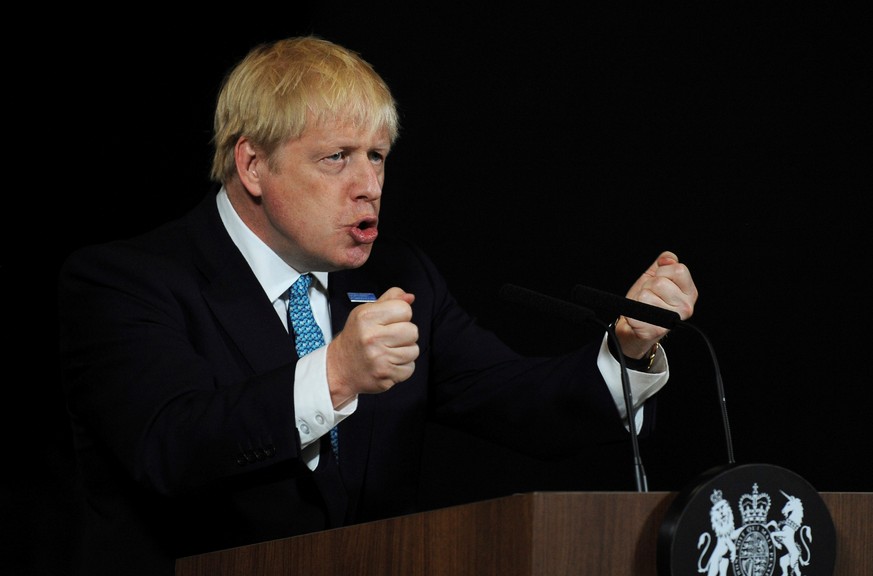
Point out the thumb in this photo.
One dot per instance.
(396, 293)
(665, 258)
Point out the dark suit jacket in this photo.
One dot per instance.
(179, 379)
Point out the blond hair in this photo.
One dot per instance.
(269, 96)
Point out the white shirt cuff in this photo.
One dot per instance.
(643, 385)
(314, 411)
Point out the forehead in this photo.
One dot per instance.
(340, 131)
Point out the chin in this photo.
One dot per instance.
(356, 257)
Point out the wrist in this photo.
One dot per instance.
(641, 364)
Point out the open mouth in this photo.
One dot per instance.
(366, 230)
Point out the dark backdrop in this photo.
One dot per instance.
(539, 148)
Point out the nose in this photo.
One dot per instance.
(367, 181)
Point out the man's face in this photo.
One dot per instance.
(322, 203)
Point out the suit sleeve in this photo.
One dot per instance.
(159, 379)
(547, 407)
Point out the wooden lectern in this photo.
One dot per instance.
(534, 534)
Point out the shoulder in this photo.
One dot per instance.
(195, 240)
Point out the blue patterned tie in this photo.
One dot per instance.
(307, 334)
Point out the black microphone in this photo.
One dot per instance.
(621, 306)
(547, 304)
(579, 314)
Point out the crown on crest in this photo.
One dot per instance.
(754, 507)
(716, 496)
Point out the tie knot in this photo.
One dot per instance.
(301, 286)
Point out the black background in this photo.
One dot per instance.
(539, 147)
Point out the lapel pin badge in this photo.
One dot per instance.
(362, 297)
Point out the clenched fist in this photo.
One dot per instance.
(667, 283)
(375, 350)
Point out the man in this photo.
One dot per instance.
(198, 426)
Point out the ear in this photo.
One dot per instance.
(249, 164)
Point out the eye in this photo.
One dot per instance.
(335, 157)
(376, 157)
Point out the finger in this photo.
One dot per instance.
(403, 355)
(395, 365)
(399, 335)
(395, 293)
(385, 311)
(404, 372)
(676, 275)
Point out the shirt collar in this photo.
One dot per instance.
(273, 273)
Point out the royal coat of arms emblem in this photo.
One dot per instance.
(778, 514)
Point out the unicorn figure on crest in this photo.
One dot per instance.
(783, 535)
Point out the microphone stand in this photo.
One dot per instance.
(619, 305)
(639, 471)
(720, 387)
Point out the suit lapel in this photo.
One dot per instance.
(234, 294)
(341, 284)
(250, 321)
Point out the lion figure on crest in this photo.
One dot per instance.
(722, 518)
